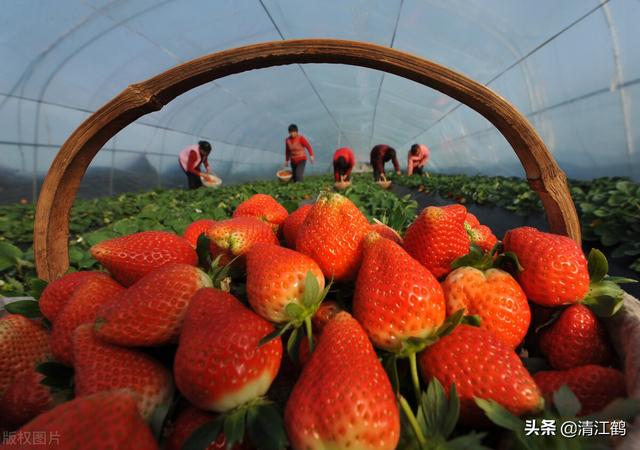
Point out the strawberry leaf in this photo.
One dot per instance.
(274, 334)
(311, 290)
(234, 427)
(157, 420)
(508, 262)
(57, 376)
(453, 412)
(598, 265)
(37, 286)
(604, 298)
(265, 426)
(294, 311)
(499, 415)
(475, 258)
(205, 434)
(27, 308)
(450, 323)
(566, 402)
(434, 406)
(620, 280)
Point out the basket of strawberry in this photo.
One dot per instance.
(317, 329)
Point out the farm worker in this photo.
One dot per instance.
(295, 146)
(380, 154)
(343, 162)
(190, 160)
(417, 159)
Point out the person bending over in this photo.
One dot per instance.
(417, 159)
(191, 158)
(295, 146)
(380, 154)
(343, 162)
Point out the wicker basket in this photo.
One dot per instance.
(545, 177)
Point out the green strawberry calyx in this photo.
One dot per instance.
(259, 418)
(493, 259)
(435, 420)
(605, 297)
(220, 274)
(300, 314)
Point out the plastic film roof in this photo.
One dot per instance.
(572, 67)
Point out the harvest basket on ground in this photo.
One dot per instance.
(544, 176)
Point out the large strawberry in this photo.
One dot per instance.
(292, 224)
(263, 207)
(332, 235)
(23, 345)
(81, 308)
(482, 366)
(219, 365)
(195, 229)
(576, 339)
(490, 293)
(437, 237)
(284, 285)
(104, 421)
(129, 258)
(151, 311)
(554, 268)
(24, 399)
(101, 367)
(234, 237)
(595, 386)
(58, 292)
(187, 422)
(396, 298)
(343, 398)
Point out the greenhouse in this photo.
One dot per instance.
(356, 224)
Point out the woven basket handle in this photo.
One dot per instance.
(60, 186)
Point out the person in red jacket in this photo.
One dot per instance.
(380, 154)
(343, 162)
(295, 146)
(190, 160)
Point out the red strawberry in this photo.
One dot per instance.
(263, 207)
(219, 364)
(23, 345)
(386, 232)
(101, 367)
(481, 366)
(343, 398)
(276, 278)
(437, 237)
(555, 270)
(235, 237)
(81, 308)
(151, 311)
(576, 339)
(25, 399)
(292, 224)
(595, 386)
(396, 298)
(129, 258)
(195, 229)
(58, 292)
(495, 296)
(332, 235)
(188, 421)
(104, 421)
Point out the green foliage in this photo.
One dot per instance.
(609, 207)
(96, 220)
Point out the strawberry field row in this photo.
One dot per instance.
(609, 208)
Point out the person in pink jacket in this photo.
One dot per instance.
(417, 159)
